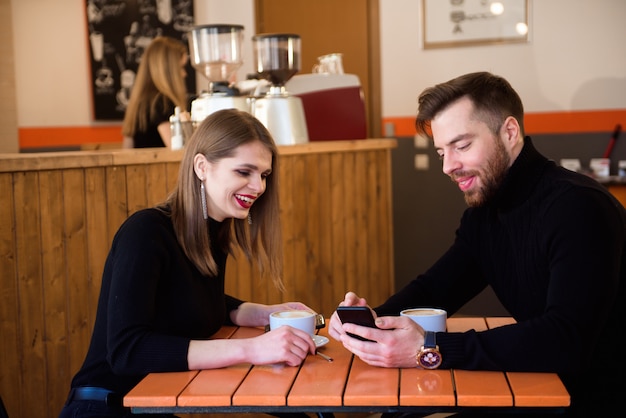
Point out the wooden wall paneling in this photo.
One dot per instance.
(32, 364)
(98, 243)
(10, 376)
(310, 275)
(302, 280)
(137, 193)
(361, 224)
(75, 239)
(337, 218)
(288, 195)
(117, 205)
(348, 241)
(171, 172)
(369, 232)
(321, 229)
(156, 184)
(53, 265)
(385, 228)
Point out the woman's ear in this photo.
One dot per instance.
(200, 166)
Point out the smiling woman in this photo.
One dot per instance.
(163, 282)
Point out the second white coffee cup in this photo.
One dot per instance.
(302, 320)
(430, 319)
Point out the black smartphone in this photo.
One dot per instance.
(360, 315)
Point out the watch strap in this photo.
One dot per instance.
(430, 339)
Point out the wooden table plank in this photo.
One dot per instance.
(159, 389)
(482, 388)
(373, 386)
(266, 385)
(462, 324)
(312, 386)
(420, 387)
(214, 387)
(538, 389)
(499, 321)
(226, 331)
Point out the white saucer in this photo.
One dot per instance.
(320, 340)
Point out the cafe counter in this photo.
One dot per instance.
(60, 211)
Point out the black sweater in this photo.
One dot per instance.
(551, 245)
(153, 301)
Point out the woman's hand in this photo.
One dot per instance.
(284, 345)
(257, 315)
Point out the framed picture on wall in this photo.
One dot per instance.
(455, 23)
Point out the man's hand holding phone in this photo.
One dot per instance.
(397, 337)
(359, 315)
(335, 326)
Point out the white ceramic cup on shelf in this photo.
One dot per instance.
(302, 320)
(431, 319)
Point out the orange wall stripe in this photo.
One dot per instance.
(535, 123)
(54, 136)
(574, 122)
(542, 123)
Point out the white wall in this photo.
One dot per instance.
(52, 61)
(576, 59)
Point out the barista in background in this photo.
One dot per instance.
(158, 89)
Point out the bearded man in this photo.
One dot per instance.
(550, 242)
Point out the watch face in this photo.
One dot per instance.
(429, 358)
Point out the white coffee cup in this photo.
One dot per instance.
(302, 320)
(430, 319)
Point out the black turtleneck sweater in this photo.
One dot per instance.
(153, 301)
(551, 244)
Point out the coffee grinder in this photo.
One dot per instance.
(215, 51)
(277, 59)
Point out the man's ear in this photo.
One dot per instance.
(511, 131)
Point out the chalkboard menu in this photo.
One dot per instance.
(119, 32)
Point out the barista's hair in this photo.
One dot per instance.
(159, 81)
(218, 137)
(493, 97)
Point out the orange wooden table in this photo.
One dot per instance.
(346, 384)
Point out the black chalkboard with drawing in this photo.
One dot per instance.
(119, 31)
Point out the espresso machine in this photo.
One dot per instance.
(277, 59)
(215, 51)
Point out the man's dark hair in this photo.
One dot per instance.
(493, 97)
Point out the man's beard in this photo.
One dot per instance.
(492, 177)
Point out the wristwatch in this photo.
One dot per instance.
(429, 356)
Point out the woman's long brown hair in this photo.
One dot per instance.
(217, 137)
(159, 80)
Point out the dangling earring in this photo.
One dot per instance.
(249, 218)
(205, 211)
